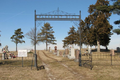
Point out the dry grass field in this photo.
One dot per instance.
(61, 68)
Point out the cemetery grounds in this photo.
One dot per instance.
(62, 68)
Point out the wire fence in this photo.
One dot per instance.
(87, 60)
(106, 59)
(100, 59)
(12, 60)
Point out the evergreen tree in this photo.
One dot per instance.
(117, 31)
(99, 21)
(81, 32)
(71, 38)
(17, 37)
(115, 8)
(89, 30)
(104, 41)
(46, 35)
(91, 37)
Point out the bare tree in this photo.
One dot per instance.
(31, 35)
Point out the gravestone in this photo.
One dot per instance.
(50, 49)
(89, 49)
(66, 52)
(112, 52)
(57, 52)
(3, 54)
(10, 56)
(85, 51)
(71, 53)
(118, 49)
(28, 50)
(6, 48)
(1, 50)
(77, 55)
(61, 54)
(78, 48)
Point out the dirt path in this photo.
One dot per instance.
(58, 69)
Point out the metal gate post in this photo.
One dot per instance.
(35, 42)
(80, 41)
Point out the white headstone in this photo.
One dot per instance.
(1, 50)
(3, 56)
(89, 49)
(28, 50)
(79, 48)
(71, 53)
(72, 45)
(50, 50)
(57, 52)
(54, 53)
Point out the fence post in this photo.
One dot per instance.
(111, 56)
(36, 60)
(111, 59)
(91, 61)
(22, 61)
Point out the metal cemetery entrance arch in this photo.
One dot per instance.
(57, 17)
